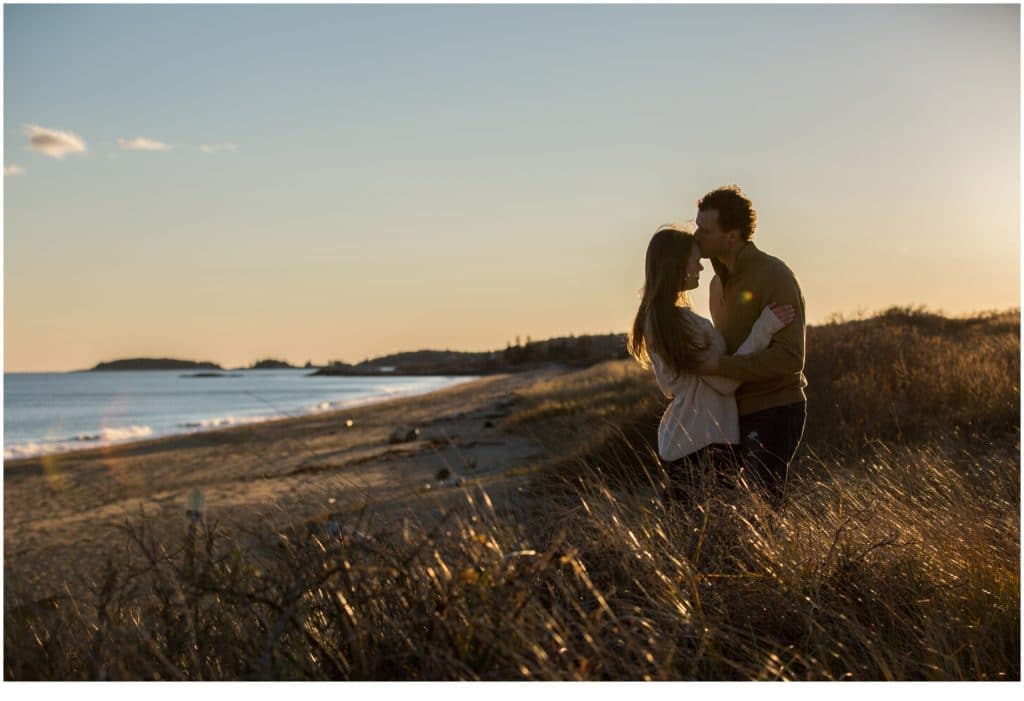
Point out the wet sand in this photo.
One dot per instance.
(61, 511)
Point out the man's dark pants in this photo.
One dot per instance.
(768, 441)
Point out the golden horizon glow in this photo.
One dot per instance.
(397, 178)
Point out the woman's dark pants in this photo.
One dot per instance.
(689, 477)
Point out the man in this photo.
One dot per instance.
(771, 400)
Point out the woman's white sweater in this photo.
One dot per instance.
(703, 408)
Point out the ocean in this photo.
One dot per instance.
(55, 412)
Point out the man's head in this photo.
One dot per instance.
(725, 221)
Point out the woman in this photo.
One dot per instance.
(701, 423)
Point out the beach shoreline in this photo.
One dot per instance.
(61, 509)
(34, 447)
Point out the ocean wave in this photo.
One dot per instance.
(401, 389)
(225, 421)
(112, 435)
(33, 450)
(107, 436)
(386, 393)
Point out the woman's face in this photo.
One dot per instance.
(691, 277)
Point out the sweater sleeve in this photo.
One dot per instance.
(760, 337)
(785, 354)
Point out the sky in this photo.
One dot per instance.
(231, 183)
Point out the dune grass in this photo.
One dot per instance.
(896, 557)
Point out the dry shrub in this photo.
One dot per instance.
(907, 571)
(906, 568)
(907, 375)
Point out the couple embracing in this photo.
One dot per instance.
(736, 382)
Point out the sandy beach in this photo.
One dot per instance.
(60, 511)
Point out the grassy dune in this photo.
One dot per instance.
(897, 556)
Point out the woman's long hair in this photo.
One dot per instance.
(659, 324)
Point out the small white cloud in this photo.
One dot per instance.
(13, 169)
(53, 143)
(141, 143)
(214, 148)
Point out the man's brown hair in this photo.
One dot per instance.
(735, 211)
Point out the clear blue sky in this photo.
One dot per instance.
(413, 176)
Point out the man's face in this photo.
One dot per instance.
(713, 242)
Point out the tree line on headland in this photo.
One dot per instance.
(572, 351)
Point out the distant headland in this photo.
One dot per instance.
(572, 351)
(568, 350)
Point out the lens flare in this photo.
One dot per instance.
(114, 414)
(50, 462)
(51, 471)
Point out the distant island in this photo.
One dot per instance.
(154, 364)
(271, 364)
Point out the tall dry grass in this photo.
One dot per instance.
(896, 557)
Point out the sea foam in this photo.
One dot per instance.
(112, 435)
(106, 436)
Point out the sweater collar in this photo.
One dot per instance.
(744, 257)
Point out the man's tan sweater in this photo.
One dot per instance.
(774, 376)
